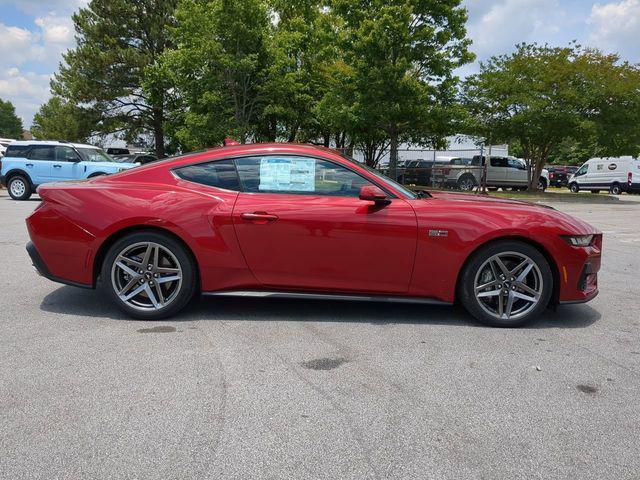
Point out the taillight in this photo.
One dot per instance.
(446, 171)
(552, 175)
(630, 178)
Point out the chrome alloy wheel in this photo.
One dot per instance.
(508, 285)
(146, 276)
(18, 187)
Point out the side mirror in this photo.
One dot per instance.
(371, 193)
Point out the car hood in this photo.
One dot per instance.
(506, 213)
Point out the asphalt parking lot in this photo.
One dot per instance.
(258, 388)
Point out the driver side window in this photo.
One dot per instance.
(583, 170)
(298, 176)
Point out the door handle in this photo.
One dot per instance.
(29, 164)
(259, 217)
(57, 166)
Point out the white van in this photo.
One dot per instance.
(615, 174)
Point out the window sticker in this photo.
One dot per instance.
(287, 174)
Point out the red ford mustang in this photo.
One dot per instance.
(300, 220)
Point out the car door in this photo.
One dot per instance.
(301, 226)
(516, 172)
(39, 163)
(65, 166)
(497, 171)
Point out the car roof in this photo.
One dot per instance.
(52, 143)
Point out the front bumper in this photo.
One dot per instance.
(43, 270)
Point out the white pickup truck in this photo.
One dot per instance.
(505, 172)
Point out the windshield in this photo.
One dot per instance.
(93, 155)
(124, 158)
(383, 178)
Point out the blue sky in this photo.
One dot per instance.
(34, 34)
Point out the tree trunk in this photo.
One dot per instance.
(158, 132)
(393, 154)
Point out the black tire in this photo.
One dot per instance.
(574, 187)
(616, 189)
(186, 289)
(466, 183)
(19, 188)
(542, 184)
(466, 284)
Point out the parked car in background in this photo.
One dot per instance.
(140, 158)
(502, 172)
(4, 143)
(117, 151)
(30, 163)
(295, 220)
(419, 172)
(614, 174)
(559, 175)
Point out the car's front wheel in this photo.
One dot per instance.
(574, 187)
(506, 284)
(19, 188)
(149, 275)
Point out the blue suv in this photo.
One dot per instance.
(27, 164)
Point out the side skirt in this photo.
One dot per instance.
(324, 296)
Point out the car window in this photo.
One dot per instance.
(220, 174)
(16, 150)
(515, 163)
(41, 152)
(582, 170)
(298, 175)
(66, 154)
(93, 155)
(498, 162)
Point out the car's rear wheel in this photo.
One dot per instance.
(19, 188)
(149, 275)
(466, 183)
(506, 284)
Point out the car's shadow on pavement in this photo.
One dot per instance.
(92, 303)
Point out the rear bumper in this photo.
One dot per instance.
(43, 270)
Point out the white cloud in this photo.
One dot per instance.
(26, 90)
(615, 27)
(55, 29)
(497, 26)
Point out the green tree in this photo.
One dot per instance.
(218, 69)
(10, 123)
(58, 119)
(402, 54)
(543, 97)
(115, 66)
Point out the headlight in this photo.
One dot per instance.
(578, 240)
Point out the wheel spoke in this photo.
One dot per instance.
(519, 267)
(527, 288)
(167, 270)
(128, 286)
(172, 278)
(520, 278)
(130, 261)
(500, 304)
(152, 296)
(158, 290)
(486, 285)
(156, 257)
(133, 293)
(522, 296)
(127, 270)
(510, 298)
(503, 268)
(147, 255)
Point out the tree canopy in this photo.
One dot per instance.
(62, 120)
(10, 123)
(114, 67)
(546, 97)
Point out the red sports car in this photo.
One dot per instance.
(301, 220)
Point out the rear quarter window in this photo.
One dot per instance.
(17, 151)
(220, 174)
